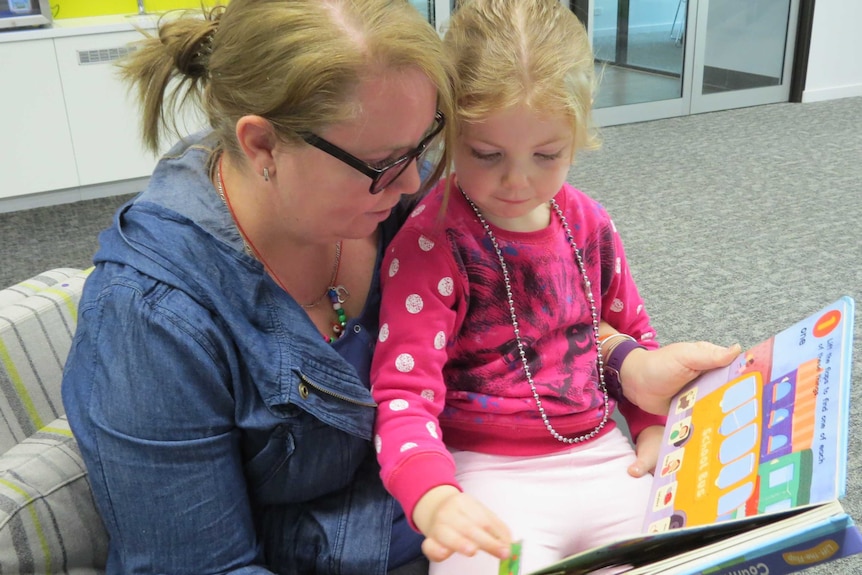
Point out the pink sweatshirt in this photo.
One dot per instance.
(446, 370)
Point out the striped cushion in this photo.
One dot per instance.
(28, 287)
(48, 519)
(35, 336)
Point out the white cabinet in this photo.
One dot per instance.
(36, 151)
(103, 114)
(69, 127)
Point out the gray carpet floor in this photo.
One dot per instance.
(32, 241)
(737, 224)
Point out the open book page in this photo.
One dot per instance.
(767, 433)
(754, 453)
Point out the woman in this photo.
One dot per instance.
(218, 382)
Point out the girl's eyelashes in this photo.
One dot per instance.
(549, 157)
(491, 156)
(484, 156)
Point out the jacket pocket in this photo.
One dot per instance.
(302, 460)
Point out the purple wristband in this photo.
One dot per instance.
(613, 365)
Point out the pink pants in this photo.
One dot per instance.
(557, 504)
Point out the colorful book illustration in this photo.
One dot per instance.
(752, 465)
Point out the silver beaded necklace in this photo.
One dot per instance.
(587, 287)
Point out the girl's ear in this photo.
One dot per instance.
(257, 139)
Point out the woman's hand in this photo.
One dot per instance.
(651, 378)
(646, 449)
(454, 522)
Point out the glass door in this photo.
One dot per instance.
(665, 58)
(744, 53)
(436, 11)
(425, 7)
(643, 58)
(639, 45)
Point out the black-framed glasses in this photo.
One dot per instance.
(381, 177)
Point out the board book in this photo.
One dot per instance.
(752, 465)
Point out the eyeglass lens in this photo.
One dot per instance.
(388, 177)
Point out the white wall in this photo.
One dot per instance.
(834, 62)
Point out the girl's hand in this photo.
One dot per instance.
(454, 522)
(651, 378)
(646, 449)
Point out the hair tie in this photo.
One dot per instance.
(194, 61)
(205, 45)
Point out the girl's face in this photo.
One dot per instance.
(512, 163)
(324, 198)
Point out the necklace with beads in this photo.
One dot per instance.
(513, 315)
(337, 294)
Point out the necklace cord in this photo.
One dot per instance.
(337, 293)
(522, 353)
(333, 278)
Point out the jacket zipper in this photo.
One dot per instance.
(307, 381)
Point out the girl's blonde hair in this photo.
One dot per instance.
(296, 63)
(508, 52)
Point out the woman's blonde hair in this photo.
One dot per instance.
(508, 52)
(296, 63)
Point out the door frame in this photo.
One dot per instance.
(701, 102)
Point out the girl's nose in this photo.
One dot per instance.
(515, 177)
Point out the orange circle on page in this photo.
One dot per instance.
(827, 323)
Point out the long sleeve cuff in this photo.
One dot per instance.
(416, 476)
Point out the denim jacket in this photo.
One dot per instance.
(220, 432)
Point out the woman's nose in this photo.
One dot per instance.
(409, 181)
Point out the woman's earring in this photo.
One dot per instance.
(266, 174)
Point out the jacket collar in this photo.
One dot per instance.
(184, 237)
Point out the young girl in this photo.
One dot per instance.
(497, 292)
